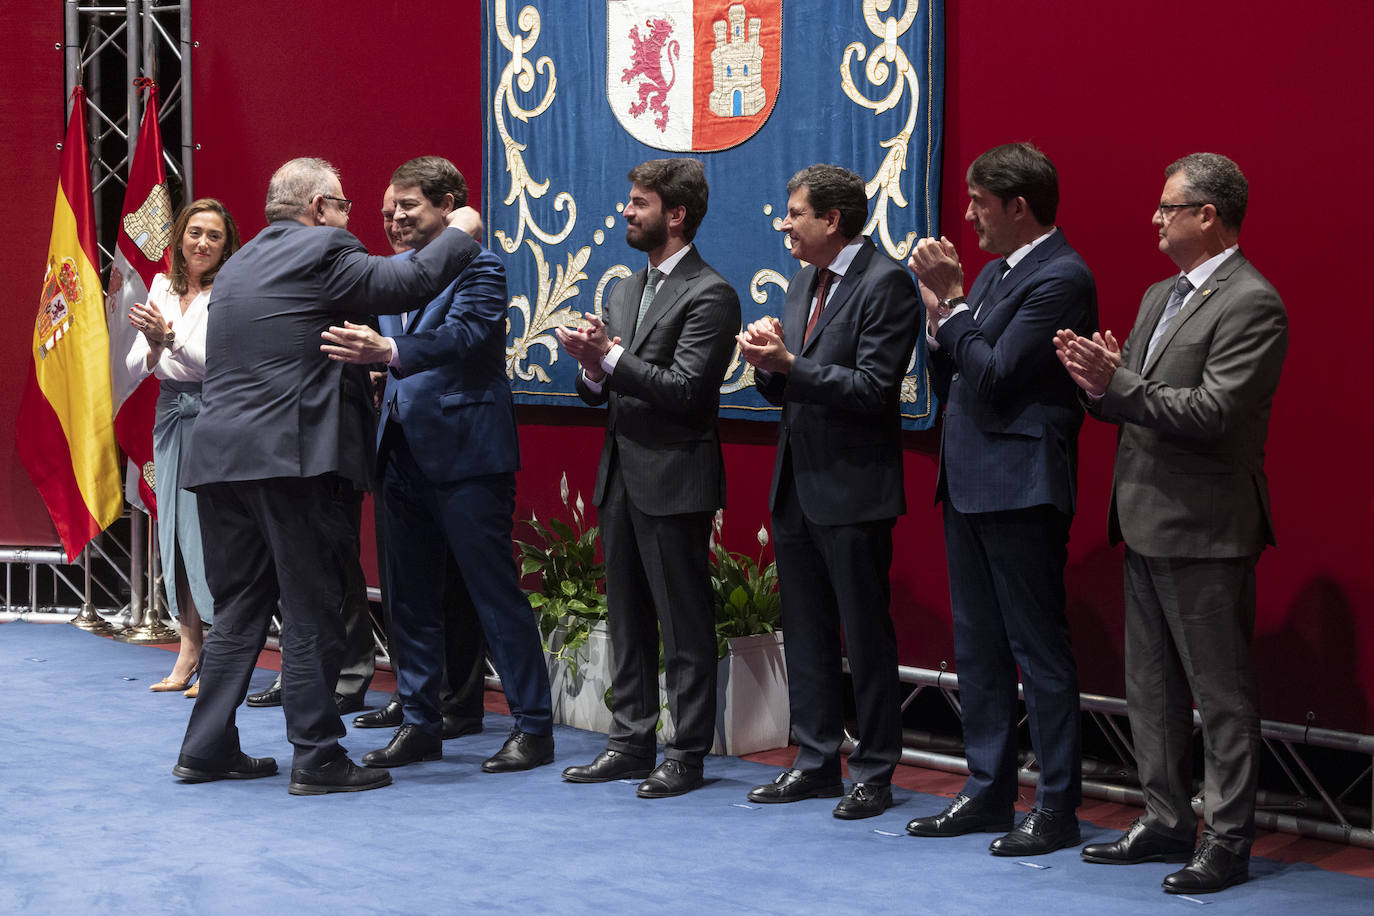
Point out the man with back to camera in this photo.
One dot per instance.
(850, 320)
(658, 361)
(279, 450)
(460, 689)
(1191, 391)
(1008, 484)
(448, 451)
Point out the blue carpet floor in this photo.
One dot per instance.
(94, 822)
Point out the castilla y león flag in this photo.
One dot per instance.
(140, 253)
(65, 429)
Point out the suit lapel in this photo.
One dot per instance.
(836, 298)
(672, 289)
(1199, 300)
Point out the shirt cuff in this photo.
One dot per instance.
(395, 361)
(612, 357)
(593, 386)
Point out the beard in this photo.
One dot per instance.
(647, 235)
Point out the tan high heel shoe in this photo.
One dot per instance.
(193, 692)
(167, 685)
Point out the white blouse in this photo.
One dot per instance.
(184, 360)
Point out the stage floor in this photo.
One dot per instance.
(97, 823)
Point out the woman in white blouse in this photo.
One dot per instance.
(172, 347)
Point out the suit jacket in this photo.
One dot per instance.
(1012, 414)
(1189, 478)
(664, 395)
(841, 402)
(450, 392)
(274, 405)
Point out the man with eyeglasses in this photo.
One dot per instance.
(447, 452)
(1191, 391)
(283, 449)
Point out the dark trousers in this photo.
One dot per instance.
(658, 580)
(284, 541)
(834, 579)
(473, 519)
(1189, 625)
(1006, 581)
(465, 645)
(359, 661)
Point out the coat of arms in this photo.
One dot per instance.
(693, 75)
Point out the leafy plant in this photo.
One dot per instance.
(746, 590)
(571, 580)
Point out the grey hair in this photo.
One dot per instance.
(296, 184)
(1218, 181)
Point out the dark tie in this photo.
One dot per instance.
(1002, 268)
(650, 290)
(823, 279)
(1181, 289)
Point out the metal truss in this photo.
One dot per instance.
(1307, 800)
(107, 46)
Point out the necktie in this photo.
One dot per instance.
(823, 280)
(1002, 268)
(1181, 289)
(650, 290)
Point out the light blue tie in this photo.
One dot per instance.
(650, 290)
(1181, 289)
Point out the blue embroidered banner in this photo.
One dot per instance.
(580, 91)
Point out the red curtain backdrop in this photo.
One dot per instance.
(32, 108)
(1113, 93)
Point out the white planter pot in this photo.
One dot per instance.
(751, 697)
(751, 693)
(579, 700)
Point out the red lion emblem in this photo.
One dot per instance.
(647, 64)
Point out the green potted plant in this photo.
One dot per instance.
(571, 607)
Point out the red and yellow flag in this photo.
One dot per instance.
(65, 428)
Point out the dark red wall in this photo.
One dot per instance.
(33, 118)
(1112, 92)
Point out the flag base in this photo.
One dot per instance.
(92, 622)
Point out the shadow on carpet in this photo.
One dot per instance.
(95, 822)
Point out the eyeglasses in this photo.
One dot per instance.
(1166, 210)
(344, 203)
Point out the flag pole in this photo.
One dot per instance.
(88, 619)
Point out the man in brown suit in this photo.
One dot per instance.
(1191, 390)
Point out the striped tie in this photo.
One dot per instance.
(650, 289)
(1181, 289)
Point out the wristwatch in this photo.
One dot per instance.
(169, 338)
(951, 302)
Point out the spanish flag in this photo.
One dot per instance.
(65, 429)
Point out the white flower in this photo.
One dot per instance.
(762, 536)
(563, 488)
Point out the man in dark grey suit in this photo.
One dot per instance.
(1008, 486)
(835, 365)
(284, 446)
(658, 360)
(1191, 390)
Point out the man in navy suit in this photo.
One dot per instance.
(282, 450)
(657, 361)
(448, 450)
(1008, 482)
(835, 365)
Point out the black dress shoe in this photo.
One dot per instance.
(389, 716)
(522, 751)
(269, 697)
(1212, 869)
(348, 704)
(795, 785)
(1138, 844)
(670, 778)
(410, 744)
(337, 776)
(242, 767)
(963, 815)
(458, 726)
(609, 766)
(865, 799)
(1040, 831)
